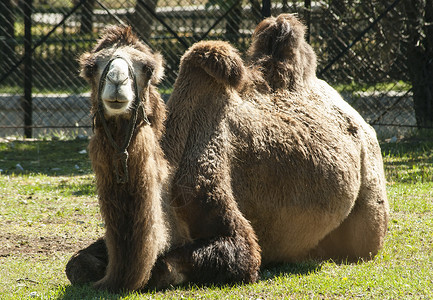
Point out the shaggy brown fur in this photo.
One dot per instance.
(267, 167)
(135, 228)
(281, 53)
(296, 162)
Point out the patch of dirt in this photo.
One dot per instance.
(11, 244)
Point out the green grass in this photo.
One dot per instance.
(49, 210)
(397, 86)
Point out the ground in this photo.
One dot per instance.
(49, 209)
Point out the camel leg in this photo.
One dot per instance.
(216, 261)
(89, 264)
(221, 246)
(361, 234)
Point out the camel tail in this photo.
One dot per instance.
(218, 59)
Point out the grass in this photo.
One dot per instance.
(353, 87)
(49, 210)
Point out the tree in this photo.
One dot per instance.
(86, 17)
(7, 33)
(419, 53)
(233, 19)
(142, 19)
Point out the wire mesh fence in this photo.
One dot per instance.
(358, 43)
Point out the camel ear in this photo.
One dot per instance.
(153, 68)
(157, 68)
(87, 65)
(218, 59)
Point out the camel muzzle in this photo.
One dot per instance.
(120, 160)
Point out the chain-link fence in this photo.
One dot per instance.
(359, 44)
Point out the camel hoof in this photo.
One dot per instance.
(85, 268)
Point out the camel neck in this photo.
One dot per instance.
(122, 163)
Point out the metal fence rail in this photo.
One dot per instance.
(357, 42)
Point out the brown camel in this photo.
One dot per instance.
(268, 165)
(127, 160)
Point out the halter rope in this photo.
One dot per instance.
(122, 152)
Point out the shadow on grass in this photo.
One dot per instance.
(302, 268)
(412, 148)
(88, 292)
(51, 158)
(73, 292)
(409, 160)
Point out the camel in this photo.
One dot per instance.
(268, 164)
(127, 159)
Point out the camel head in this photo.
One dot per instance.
(119, 69)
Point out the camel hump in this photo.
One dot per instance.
(278, 36)
(281, 52)
(218, 59)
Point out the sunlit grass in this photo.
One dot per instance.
(353, 87)
(47, 214)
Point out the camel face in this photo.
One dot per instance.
(129, 165)
(120, 68)
(117, 93)
(119, 75)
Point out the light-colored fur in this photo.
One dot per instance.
(268, 165)
(302, 166)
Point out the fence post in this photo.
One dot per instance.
(27, 103)
(266, 8)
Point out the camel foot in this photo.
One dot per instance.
(88, 265)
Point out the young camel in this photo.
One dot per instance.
(128, 162)
(269, 165)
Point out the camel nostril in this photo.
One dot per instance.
(117, 82)
(118, 73)
(117, 78)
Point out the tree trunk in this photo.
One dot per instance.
(256, 11)
(419, 45)
(335, 16)
(142, 19)
(86, 17)
(7, 34)
(234, 19)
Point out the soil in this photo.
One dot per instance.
(12, 244)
